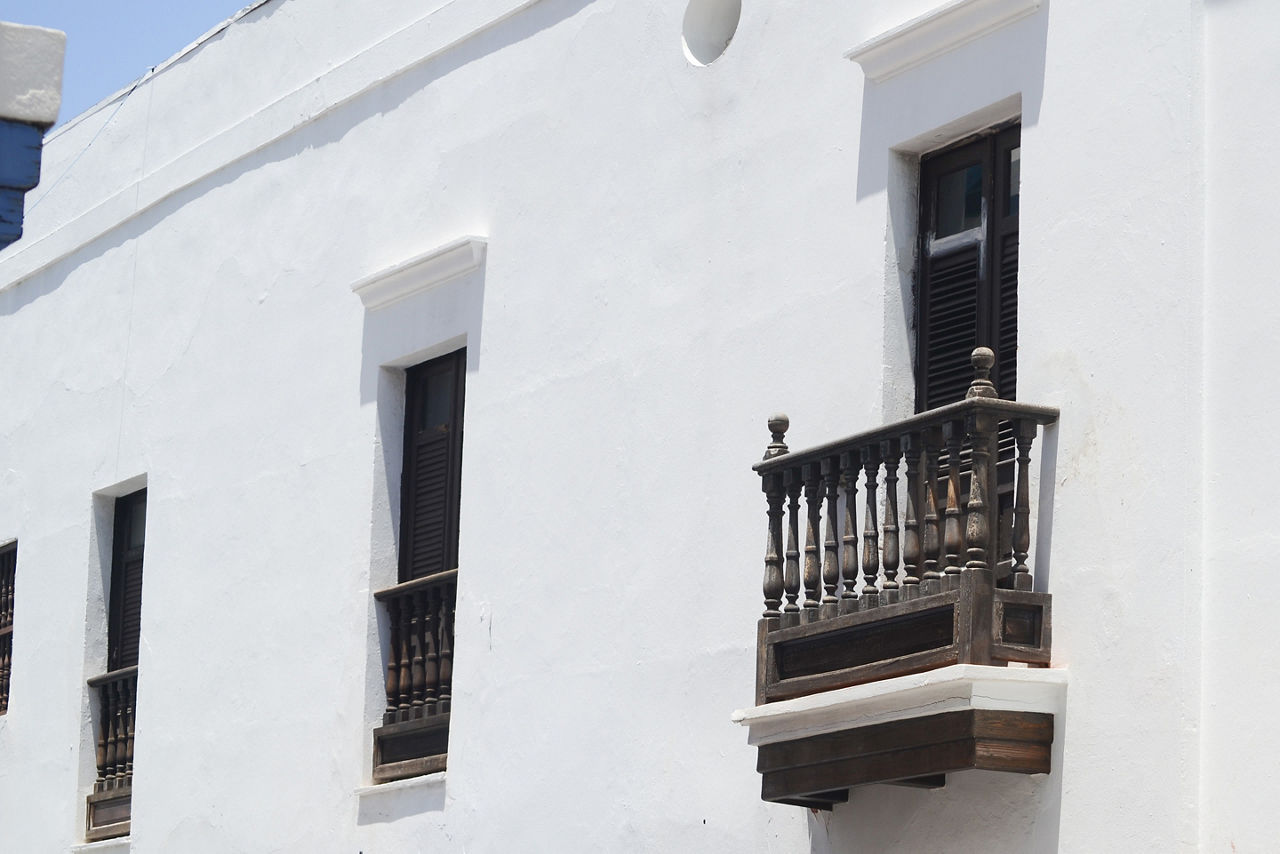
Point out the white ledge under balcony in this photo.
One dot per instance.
(936, 578)
(922, 726)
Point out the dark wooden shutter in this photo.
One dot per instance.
(950, 326)
(8, 572)
(1004, 239)
(967, 293)
(125, 615)
(431, 481)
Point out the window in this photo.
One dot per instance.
(110, 803)
(968, 288)
(432, 466)
(414, 737)
(8, 568)
(124, 619)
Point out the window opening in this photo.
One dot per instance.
(967, 293)
(8, 571)
(414, 736)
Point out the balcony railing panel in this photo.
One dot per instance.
(414, 736)
(109, 805)
(937, 574)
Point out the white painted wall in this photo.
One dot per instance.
(1241, 393)
(674, 253)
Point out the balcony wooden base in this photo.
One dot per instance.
(969, 622)
(108, 813)
(817, 771)
(410, 748)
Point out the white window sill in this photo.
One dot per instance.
(389, 802)
(426, 781)
(106, 846)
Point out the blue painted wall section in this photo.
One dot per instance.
(19, 172)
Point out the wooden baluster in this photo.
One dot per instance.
(891, 453)
(5, 653)
(404, 688)
(109, 722)
(431, 675)
(1025, 432)
(911, 523)
(812, 474)
(393, 662)
(122, 738)
(849, 466)
(870, 532)
(978, 527)
(791, 577)
(449, 598)
(130, 687)
(774, 495)
(953, 535)
(932, 580)
(981, 428)
(774, 491)
(104, 728)
(417, 626)
(831, 556)
(114, 743)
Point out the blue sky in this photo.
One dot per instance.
(111, 44)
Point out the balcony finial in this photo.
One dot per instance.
(778, 425)
(982, 360)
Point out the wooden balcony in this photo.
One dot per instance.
(414, 736)
(110, 803)
(937, 576)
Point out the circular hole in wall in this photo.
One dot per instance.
(709, 26)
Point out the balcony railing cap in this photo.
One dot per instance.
(980, 398)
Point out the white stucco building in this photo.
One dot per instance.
(646, 242)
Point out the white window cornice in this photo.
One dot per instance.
(942, 29)
(445, 263)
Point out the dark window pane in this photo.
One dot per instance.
(437, 402)
(1015, 175)
(959, 201)
(138, 524)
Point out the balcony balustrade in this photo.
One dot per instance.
(936, 576)
(109, 805)
(414, 736)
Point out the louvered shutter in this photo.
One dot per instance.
(967, 294)
(8, 569)
(432, 465)
(125, 616)
(950, 327)
(1007, 340)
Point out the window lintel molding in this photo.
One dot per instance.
(422, 272)
(942, 29)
